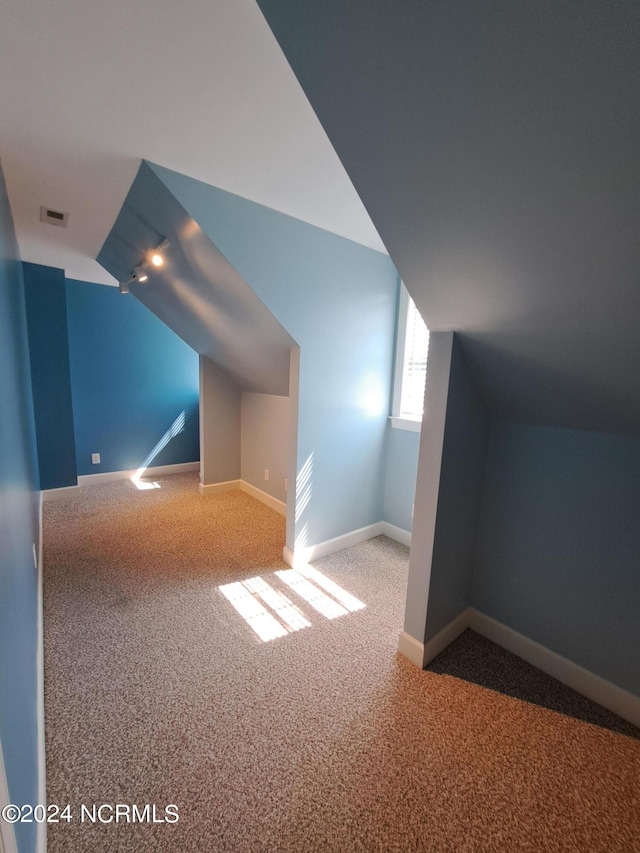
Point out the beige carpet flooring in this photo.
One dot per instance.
(158, 691)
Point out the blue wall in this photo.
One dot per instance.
(131, 377)
(400, 478)
(337, 299)
(18, 531)
(464, 455)
(51, 384)
(559, 543)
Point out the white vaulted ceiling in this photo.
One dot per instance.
(89, 88)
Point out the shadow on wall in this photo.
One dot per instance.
(477, 660)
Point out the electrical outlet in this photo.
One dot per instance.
(95, 458)
(266, 474)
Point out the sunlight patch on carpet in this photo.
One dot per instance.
(293, 618)
(257, 617)
(345, 598)
(271, 614)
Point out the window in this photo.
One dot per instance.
(411, 365)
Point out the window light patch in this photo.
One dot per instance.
(263, 623)
(271, 614)
(311, 594)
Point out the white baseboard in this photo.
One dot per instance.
(258, 494)
(218, 488)
(621, 702)
(398, 533)
(267, 499)
(302, 556)
(7, 834)
(112, 476)
(41, 832)
(423, 653)
(411, 649)
(59, 494)
(157, 471)
(609, 695)
(445, 637)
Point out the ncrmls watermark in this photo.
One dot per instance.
(94, 813)
(126, 813)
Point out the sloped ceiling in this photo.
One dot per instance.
(496, 148)
(197, 292)
(88, 89)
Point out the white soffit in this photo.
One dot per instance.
(88, 89)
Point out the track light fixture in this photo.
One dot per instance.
(155, 258)
(140, 274)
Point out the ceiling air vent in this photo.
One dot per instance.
(54, 217)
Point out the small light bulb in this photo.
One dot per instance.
(140, 274)
(157, 260)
